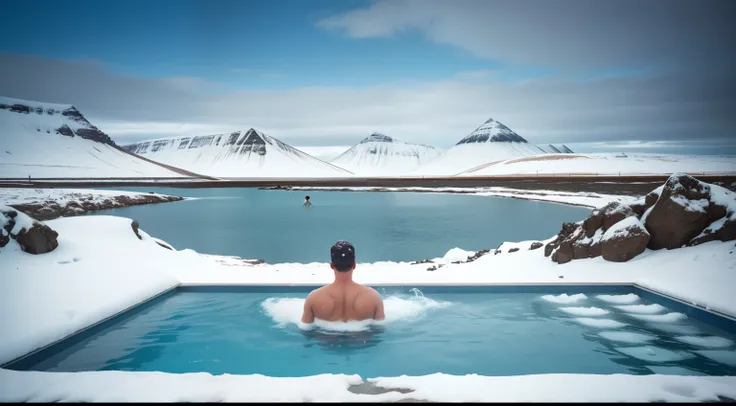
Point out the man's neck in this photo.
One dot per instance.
(343, 278)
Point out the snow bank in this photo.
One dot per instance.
(90, 276)
(112, 386)
(10, 196)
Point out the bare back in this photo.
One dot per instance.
(343, 302)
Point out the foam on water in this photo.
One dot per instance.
(600, 323)
(706, 341)
(564, 298)
(626, 337)
(619, 299)
(585, 311)
(286, 311)
(654, 354)
(660, 318)
(643, 309)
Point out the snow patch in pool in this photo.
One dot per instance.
(585, 311)
(626, 337)
(684, 329)
(722, 356)
(654, 354)
(564, 298)
(643, 309)
(286, 311)
(707, 341)
(620, 299)
(660, 318)
(600, 323)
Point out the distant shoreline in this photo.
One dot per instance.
(629, 185)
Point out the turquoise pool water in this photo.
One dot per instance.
(386, 226)
(454, 333)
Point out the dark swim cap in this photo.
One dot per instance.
(343, 255)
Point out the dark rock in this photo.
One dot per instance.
(593, 223)
(726, 232)
(477, 255)
(65, 130)
(40, 239)
(424, 261)
(20, 108)
(11, 214)
(496, 252)
(4, 238)
(535, 245)
(564, 253)
(625, 243)
(549, 248)
(651, 199)
(638, 208)
(164, 245)
(613, 213)
(513, 249)
(672, 225)
(435, 267)
(715, 212)
(135, 226)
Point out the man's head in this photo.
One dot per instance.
(306, 198)
(343, 256)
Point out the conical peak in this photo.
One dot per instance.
(378, 137)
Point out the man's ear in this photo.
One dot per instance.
(354, 264)
(332, 266)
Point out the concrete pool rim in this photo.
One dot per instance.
(699, 312)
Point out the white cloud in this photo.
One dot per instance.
(548, 110)
(561, 33)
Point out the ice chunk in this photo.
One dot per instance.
(585, 311)
(657, 369)
(600, 323)
(643, 309)
(620, 299)
(564, 298)
(706, 341)
(685, 329)
(660, 318)
(654, 354)
(723, 356)
(626, 337)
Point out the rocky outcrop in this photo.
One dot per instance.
(32, 236)
(684, 211)
(50, 209)
(625, 240)
(535, 245)
(680, 213)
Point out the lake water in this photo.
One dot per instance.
(454, 333)
(383, 226)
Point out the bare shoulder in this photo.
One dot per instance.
(316, 293)
(371, 293)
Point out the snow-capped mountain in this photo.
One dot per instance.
(490, 142)
(381, 155)
(555, 149)
(46, 140)
(240, 154)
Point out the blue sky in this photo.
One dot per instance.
(328, 73)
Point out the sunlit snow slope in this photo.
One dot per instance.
(241, 154)
(490, 142)
(381, 155)
(45, 140)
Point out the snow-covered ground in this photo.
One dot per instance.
(241, 154)
(31, 145)
(593, 200)
(101, 268)
(62, 197)
(462, 157)
(381, 155)
(605, 164)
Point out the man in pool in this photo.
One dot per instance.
(343, 300)
(307, 203)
